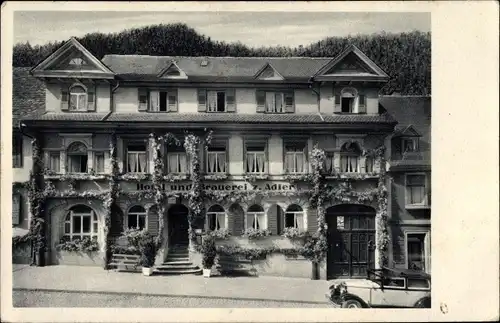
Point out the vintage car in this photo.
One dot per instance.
(385, 287)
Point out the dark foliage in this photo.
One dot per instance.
(406, 57)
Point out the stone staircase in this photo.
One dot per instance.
(178, 262)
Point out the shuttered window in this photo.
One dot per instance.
(275, 101)
(216, 100)
(17, 151)
(16, 209)
(161, 101)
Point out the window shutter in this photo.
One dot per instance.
(312, 220)
(172, 100)
(202, 100)
(230, 100)
(154, 101)
(337, 105)
(64, 100)
(272, 220)
(289, 104)
(362, 104)
(143, 99)
(16, 209)
(261, 101)
(91, 99)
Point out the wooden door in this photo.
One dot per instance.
(351, 241)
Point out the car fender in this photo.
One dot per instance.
(424, 302)
(348, 296)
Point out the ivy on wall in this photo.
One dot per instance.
(314, 247)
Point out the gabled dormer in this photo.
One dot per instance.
(268, 73)
(72, 60)
(355, 81)
(76, 81)
(351, 65)
(172, 71)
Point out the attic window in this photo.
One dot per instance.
(409, 144)
(76, 61)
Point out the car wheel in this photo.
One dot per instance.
(352, 303)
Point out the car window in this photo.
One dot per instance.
(394, 282)
(418, 283)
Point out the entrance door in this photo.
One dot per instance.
(351, 239)
(178, 224)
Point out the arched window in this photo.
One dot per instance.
(216, 218)
(80, 222)
(255, 218)
(294, 217)
(136, 217)
(77, 98)
(349, 158)
(77, 158)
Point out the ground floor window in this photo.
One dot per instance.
(294, 217)
(216, 218)
(418, 250)
(136, 218)
(255, 218)
(80, 222)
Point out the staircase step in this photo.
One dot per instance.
(176, 267)
(170, 271)
(177, 262)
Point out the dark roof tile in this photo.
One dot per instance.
(28, 95)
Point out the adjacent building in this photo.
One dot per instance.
(266, 116)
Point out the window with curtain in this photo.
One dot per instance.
(255, 218)
(369, 164)
(415, 190)
(137, 158)
(136, 217)
(216, 218)
(255, 158)
(416, 251)
(409, 145)
(349, 158)
(216, 101)
(275, 102)
(54, 161)
(77, 158)
(99, 162)
(17, 151)
(329, 165)
(77, 98)
(176, 162)
(80, 222)
(295, 158)
(216, 160)
(294, 217)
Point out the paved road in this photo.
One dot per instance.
(67, 299)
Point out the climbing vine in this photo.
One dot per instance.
(36, 199)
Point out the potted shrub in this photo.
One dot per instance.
(209, 253)
(147, 247)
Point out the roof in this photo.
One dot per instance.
(228, 68)
(28, 95)
(414, 111)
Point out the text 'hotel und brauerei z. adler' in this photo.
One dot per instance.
(259, 151)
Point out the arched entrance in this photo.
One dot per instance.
(351, 240)
(178, 224)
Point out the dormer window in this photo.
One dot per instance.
(350, 101)
(409, 145)
(77, 98)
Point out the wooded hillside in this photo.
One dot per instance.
(406, 57)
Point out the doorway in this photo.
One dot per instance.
(178, 225)
(351, 241)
